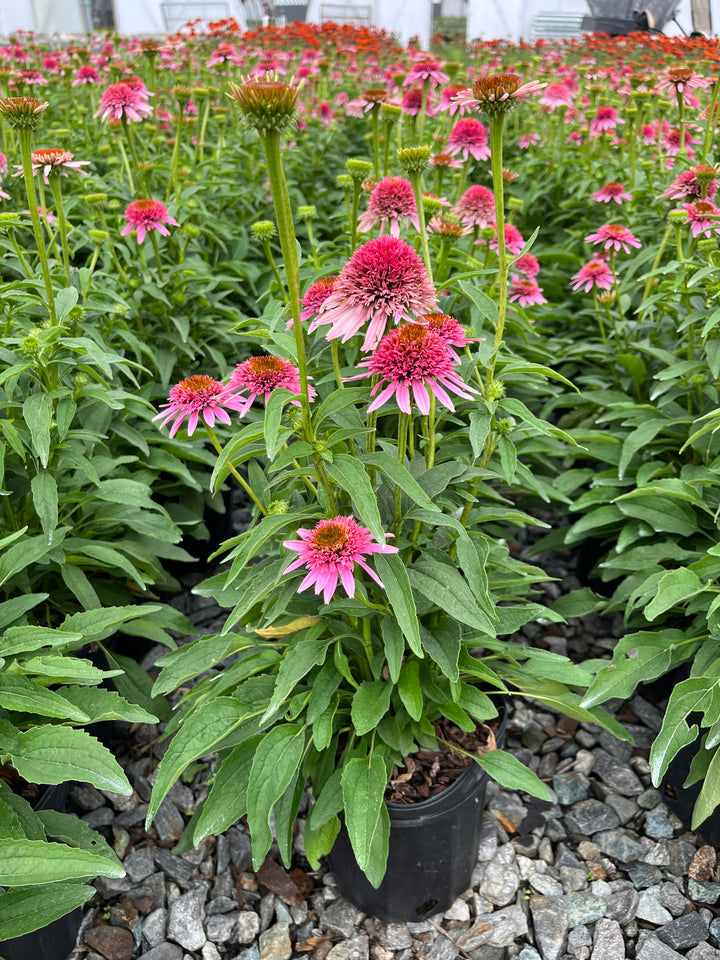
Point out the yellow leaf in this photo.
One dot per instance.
(269, 633)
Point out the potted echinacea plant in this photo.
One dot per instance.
(374, 596)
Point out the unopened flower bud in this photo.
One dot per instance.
(114, 205)
(277, 507)
(515, 203)
(183, 95)
(390, 112)
(25, 113)
(8, 220)
(263, 229)
(503, 427)
(414, 159)
(96, 201)
(431, 205)
(677, 217)
(307, 213)
(31, 345)
(191, 230)
(344, 182)
(265, 104)
(358, 169)
(495, 389)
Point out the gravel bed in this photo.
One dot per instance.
(603, 872)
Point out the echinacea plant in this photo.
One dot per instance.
(374, 593)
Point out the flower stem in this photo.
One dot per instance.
(423, 108)
(403, 422)
(156, 248)
(496, 130)
(710, 128)
(174, 163)
(417, 184)
(375, 116)
(57, 197)
(430, 448)
(126, 164)
(240, 479)
(25, 137)
(133, 152)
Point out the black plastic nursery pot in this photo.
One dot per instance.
(681, 800)
(433, 851)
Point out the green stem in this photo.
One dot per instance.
(57, 197)
(273, 266)
(240, 479)
(423, 108)
(200, 145)
(23, 262)
(311, 241)
(710, 128)
(430, 448)
(25, 137)
(354, 215)
(126, 165)
(174, 163)
(375, 117)
(599, 318)
(127, 127)
(496, 130)
(417, 184)
(335, 353)
(156, 248)
(656, 263)
(403, 422)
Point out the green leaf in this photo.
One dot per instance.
(12, 610)
(337, 401)
(276, 761)
(509, 772)
(227, 801)
(136, 686)
(370, 703)
(671, 739)
(273, 419)
(10, 825)
(443, 646)
(577, 603)
(200, 732)
(298, 660)
(445, 587)
(379, 849)
(65, 669)
(22, 555)
(393, 573)
(37, 413)
(19, 693)
(508, 458)
(195, 658)
(400, 476)
(394, 644)
(45, 501)
(76, 580)
(675, 586)
(638, 440)
(351, 476)
(709, 797)
(98, 624)
(75, 832)
(319, 841)
(31, 823)
(363, 787)
(409, 689)
(65, 300)
(28, 863)
(100, 704)
(56, 754)
(25, 909)
(284, 814)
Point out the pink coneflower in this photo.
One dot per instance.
(528, 265)
(51, 64)
(514, 241)
(426, 70)
(315, 296)
(528, 140)
(259, 376)
(444, 160)
(195, 396)
(120, 101)
(224, 51)
(144, 215)
(476, 207)
(411, 103)
(611, 191)
(605, 120)
(470, 138)
(447, 102)
(671, 143)
(688, 184)
(703, 217)
(414, 358)
(449, 331)
(680, 79)
(525, 291)
(330, 551)
(384, 279)
(501, 88)
(3, 163)
(32, 78)
(85, 75)
(58, 161)
(556, 95)
(615, 236)
(595, 273)
(392, 200)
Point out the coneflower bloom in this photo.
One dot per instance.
(605, 120)
(85, 75)
(384, 279)
(30, 77)
(315, 296)
(414, 358)
(224, 51)
(611, 191)
(703, 217)
(688, 184)
(595, 273)
(411, 103)
(3, 163)
(426, 70)
(680, 79)
(525, 291)
(392, 201)
(528, 140)
(194, 397)
(444, 160)
(449, 330)
(120, 101)
(476, 207)
(259, 376)
(488, 93)
(447, 102)
(614, 236)
(556, 95)
(470, 138)
(329, 553)
(528, 265)
(514, 241)
(58, 161)
(144, 215)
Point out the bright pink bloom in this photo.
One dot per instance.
(195, 396)
(514, 241)
(444, 160)
(556, 95)
(259, 376)
(330, 551)
(449, 330)
(596, 273)
(606, 119)
(447, 102)
(144, 215)
(467, 98)
(30, 77)
(120, 101)
(686, 184)
(528, 140)
(476, 207)
(416, 358)
(392, 200)
(426, 70)
(611, 191)
(315, 296)
(682, 78)
(528, 265)
(525, 291)
(224, 51)
(703, 217)
(48, 161)
(615, 236)
(470, 137)
(384, 279)
(51, 64)
(3, 162)
(86, 75)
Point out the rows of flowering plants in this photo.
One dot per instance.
(408, 306)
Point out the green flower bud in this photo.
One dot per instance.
(495, 390)
(307, 213)
(263, 229)
(278, 507)
(414, 159)
(96, 201)
(265, 104)
(358, 169)
(98, 237)
(677, 217)
(344, 182)
(503, 427)
(191, 230)
(24, 113)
